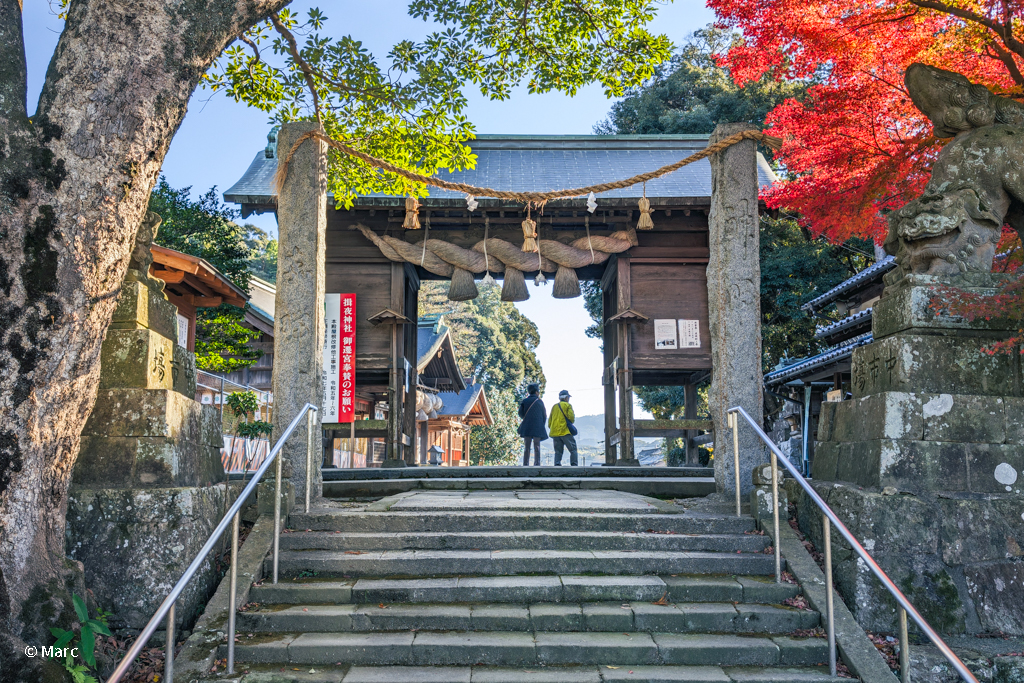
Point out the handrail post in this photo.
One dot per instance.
(232, 607)
(309, 454)
(734, 422)
(277, 514)
(829, 607)
(169, 647)
(904, 648)
(776, 504)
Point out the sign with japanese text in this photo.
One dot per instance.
(339, 358)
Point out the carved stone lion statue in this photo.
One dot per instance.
(142, 257)
(977, 182)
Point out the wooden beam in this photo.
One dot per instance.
(171, 277)
(176, 262)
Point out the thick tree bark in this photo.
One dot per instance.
(74, 183)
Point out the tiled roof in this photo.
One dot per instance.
(430, 334)
(803, 367)
(864, 277)
(546, 162)
(459, 403)
(851, 321)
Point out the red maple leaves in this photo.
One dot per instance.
(856, 145)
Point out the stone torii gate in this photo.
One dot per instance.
(733, 308)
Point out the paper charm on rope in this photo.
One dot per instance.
(592, 203)
(471, 202)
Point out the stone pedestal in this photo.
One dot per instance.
(144, 497)
(924, 462)
(734, 304)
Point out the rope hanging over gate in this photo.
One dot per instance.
(524, 197)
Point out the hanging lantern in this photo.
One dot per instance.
(412, 219)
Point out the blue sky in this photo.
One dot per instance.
(219, 137)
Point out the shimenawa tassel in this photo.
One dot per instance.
(412, 219)
(529, 233)
(645, 222)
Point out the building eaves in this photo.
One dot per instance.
(808, 365)
(855, 321)
(861, 279)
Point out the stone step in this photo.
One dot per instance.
(664, 487)
(517, 649)
(699, 617)
(607, 673)
(461, 521)
(521, 540)
(525, 590)
(423, 563)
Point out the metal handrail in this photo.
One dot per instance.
(166, 609)
(829, 518)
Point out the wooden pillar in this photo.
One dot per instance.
(410, 333)
(610, 350)
(690, 413)
(625, 373)
(396, 376)
(424, 441)
(449, 449)
(465, 446)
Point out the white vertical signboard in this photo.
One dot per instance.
(332, 351)
(665, 335)
(689, 334)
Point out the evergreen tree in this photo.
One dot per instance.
(205, 228)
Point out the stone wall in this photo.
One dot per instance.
(136, 544)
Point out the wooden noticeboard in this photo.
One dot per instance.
(674, 298)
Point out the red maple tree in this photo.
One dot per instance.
(856, 145)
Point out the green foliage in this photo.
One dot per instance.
(692, 93)
(205, 228)
(243, 403)
(409, 108)
(221, 340)
(794, 270)
(495, 345)
(254, 430)
(262, 253)
(84, 640)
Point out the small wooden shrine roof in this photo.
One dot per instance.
(469, 406)
(194, 280)
(436, 364)
(540, 163)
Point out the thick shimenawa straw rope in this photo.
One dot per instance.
(282, 169)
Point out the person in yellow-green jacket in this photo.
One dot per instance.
(563, 431)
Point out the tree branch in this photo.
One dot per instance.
(13, 69)
(1004, 31)
(307, 71)
(1004, 56)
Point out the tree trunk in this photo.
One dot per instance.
(74, 184)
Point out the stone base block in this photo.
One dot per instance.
(143, 359)
(922, 442)
(135, 545)
(917, 306)
(957, 557)
(147, 438)
(934, 364)
(140, 307)
(922, 466)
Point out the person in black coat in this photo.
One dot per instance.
(533, 427)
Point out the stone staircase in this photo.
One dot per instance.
(526, 586)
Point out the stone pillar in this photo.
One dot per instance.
(299, 305)
(734, 304)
